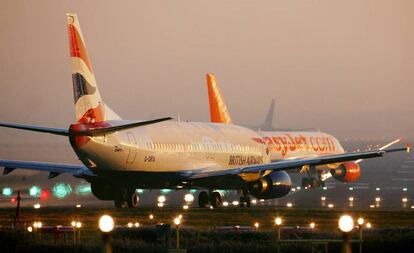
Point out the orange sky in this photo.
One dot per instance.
(345, 67)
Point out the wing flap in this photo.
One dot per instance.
(292, 164)
(322, 160)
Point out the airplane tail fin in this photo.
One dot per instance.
(268, 122)
(218, 107)
(89, 107)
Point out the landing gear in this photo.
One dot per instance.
(132, 199)
(244, 200)
(126, 197)
(203, 199)
(311, 182)
(215, 199)
(119, 201)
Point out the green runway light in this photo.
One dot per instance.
(61, 190)
(193, 190)
(34, 191)
(165, 191)
(7, 191)
(139, 190)
(83, 189)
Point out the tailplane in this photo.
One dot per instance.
(89, 107)
(218, 107)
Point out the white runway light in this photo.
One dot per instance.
(189, 197)
(161, 199)
(106, 223)
(346, 223)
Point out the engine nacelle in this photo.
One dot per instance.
(347, 172)
(102, 191)
(275, 185)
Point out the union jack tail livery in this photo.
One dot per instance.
(218, 107)
(89, 107)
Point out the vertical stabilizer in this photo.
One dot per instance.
(268, 122)
(89, 107)
(218, 107)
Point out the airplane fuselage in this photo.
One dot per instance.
(178, 148)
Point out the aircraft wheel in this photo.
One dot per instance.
(247, 198)
(119, 203)
(215, 199)
(120, 199)
(132, 199)
(202, 199)
(241, 201)
(313, 182)
(305, 182)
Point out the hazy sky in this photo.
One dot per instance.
(346, 67)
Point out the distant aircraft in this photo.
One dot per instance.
(120, 156)
(288, 144)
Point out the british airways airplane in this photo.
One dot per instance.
(118, 156)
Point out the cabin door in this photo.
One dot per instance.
(132, 148)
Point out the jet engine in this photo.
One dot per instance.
(276, 185)
(347, 172)
(102, 191)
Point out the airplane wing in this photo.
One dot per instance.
(296, 163)
(54, 169)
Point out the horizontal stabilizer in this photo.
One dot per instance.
(56, 131)
(111, 129)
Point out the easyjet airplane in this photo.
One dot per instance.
(120, 156)
(293, 145)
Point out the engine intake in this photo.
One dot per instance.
(347, 172)
(275, 185)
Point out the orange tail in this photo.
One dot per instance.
(218, 107)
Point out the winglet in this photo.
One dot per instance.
(408, 148)
(218, 107)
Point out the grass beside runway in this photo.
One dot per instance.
(390, 229)
(325, 220)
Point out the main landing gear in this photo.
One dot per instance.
(214, 198)
(311, 182)
(244, 200)
(128, 197)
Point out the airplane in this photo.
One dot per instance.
(288, 144)
(118, 156)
